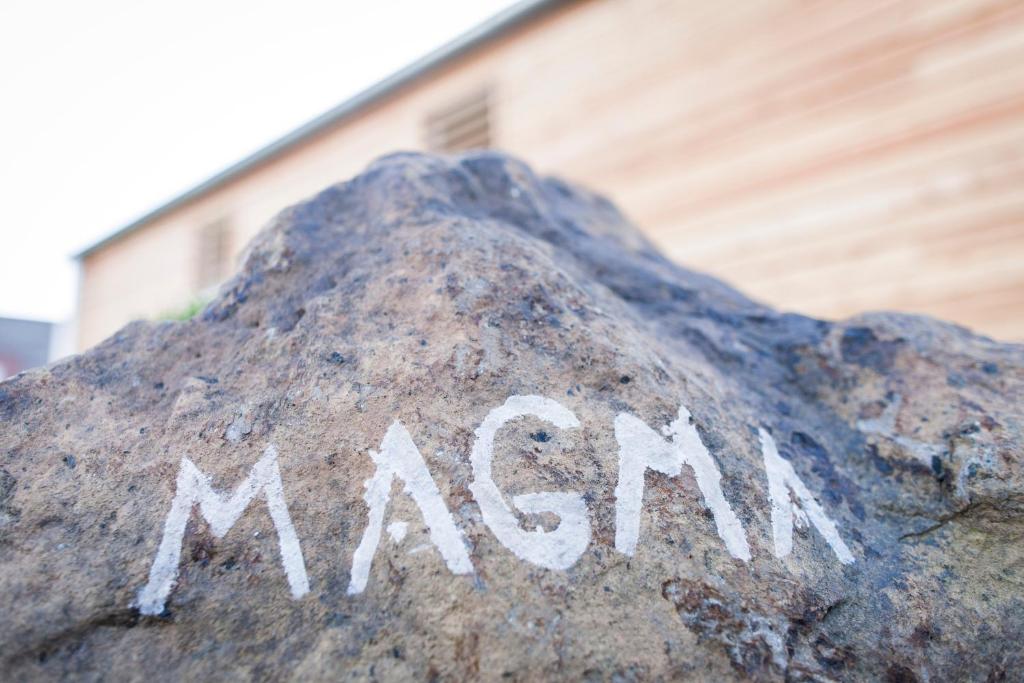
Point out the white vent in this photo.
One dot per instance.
(464, 124)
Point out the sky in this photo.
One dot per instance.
(108, 108)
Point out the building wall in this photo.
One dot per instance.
(825, 157)
(24, 344)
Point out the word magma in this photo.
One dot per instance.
(640, 449)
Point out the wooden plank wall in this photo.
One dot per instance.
(825, 156)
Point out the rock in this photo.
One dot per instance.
(455, 421)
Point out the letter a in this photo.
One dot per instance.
(221, 513)
(399, 457)
(640, 448)
(781, 480)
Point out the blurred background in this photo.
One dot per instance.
(826, 157)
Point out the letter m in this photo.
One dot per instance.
(221, 513)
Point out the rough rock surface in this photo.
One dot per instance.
(428, 291)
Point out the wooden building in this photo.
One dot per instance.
(828, 157)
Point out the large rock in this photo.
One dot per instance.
(821, 500)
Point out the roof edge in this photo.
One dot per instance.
(510, 18)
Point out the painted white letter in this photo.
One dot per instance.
(558, 549)
(781, 480)
(221, 513)
(399, 457)
(640, 448)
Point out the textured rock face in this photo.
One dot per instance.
(454, 421)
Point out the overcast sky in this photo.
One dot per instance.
(110, 107)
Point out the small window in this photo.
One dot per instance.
(464, 124)
(214, 254)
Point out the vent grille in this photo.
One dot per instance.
(464, 124)
(213, 255)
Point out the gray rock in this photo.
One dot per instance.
(429, 291)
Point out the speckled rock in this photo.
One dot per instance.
(426, 292)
